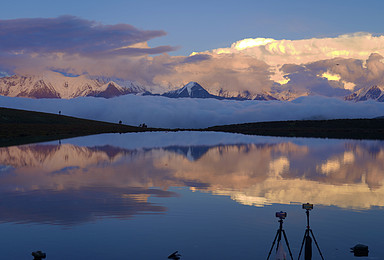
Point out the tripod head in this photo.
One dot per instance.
(308, 206)
(281, 215)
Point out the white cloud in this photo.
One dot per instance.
(197, 113)
(275, 52)
(255, 65)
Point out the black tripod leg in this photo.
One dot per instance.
(302, 244)
(318, 248)
(274, 241)
(286, 240)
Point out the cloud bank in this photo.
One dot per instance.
(70, 35)
(197, 113)
(327, 66)
(75, 45)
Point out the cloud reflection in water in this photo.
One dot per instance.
(69, 184)
(69, 207)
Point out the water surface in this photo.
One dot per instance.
(208, 195)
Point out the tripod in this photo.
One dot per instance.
(278, 237)
(308, 241)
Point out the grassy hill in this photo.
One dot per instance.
(20, 127)
(338, 128)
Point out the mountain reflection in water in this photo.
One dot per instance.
(69, 184)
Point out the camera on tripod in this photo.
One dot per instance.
(281, 215)
(280, 234)
(308, 206)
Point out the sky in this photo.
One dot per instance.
(330, 48)
(203, 25)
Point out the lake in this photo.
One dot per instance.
(207, 195)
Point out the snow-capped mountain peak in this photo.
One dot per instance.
(190, 86)
(367, 93)
(192, 90)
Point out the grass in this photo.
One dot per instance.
(337, 128)
(22, 127)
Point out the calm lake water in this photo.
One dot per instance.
(207, 195)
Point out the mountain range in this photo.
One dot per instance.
(56, 85)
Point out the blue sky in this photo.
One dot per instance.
(203, 25)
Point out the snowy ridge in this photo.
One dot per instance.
(55, 85)
(238, 95)
(123, 84)
(367, 93)
(286, 95)
(195, 90)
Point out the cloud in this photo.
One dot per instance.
(359, 73)
(354, 61)
(224, 72)
(328, 66)
(197, 113)
(140, 51)
(68, 43)
(275, 52)
(313, 80)
(70, 35)
(196, 58)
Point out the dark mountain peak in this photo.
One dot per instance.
(264, 97)
(112, 90)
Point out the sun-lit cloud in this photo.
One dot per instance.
(224, 72)
(358, 46)
(249, 43)
(331, 76)
(330, 66)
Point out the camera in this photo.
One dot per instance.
(281, 215)
(308, 206)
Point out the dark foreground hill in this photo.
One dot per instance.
(21, 127)
(338, 128)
